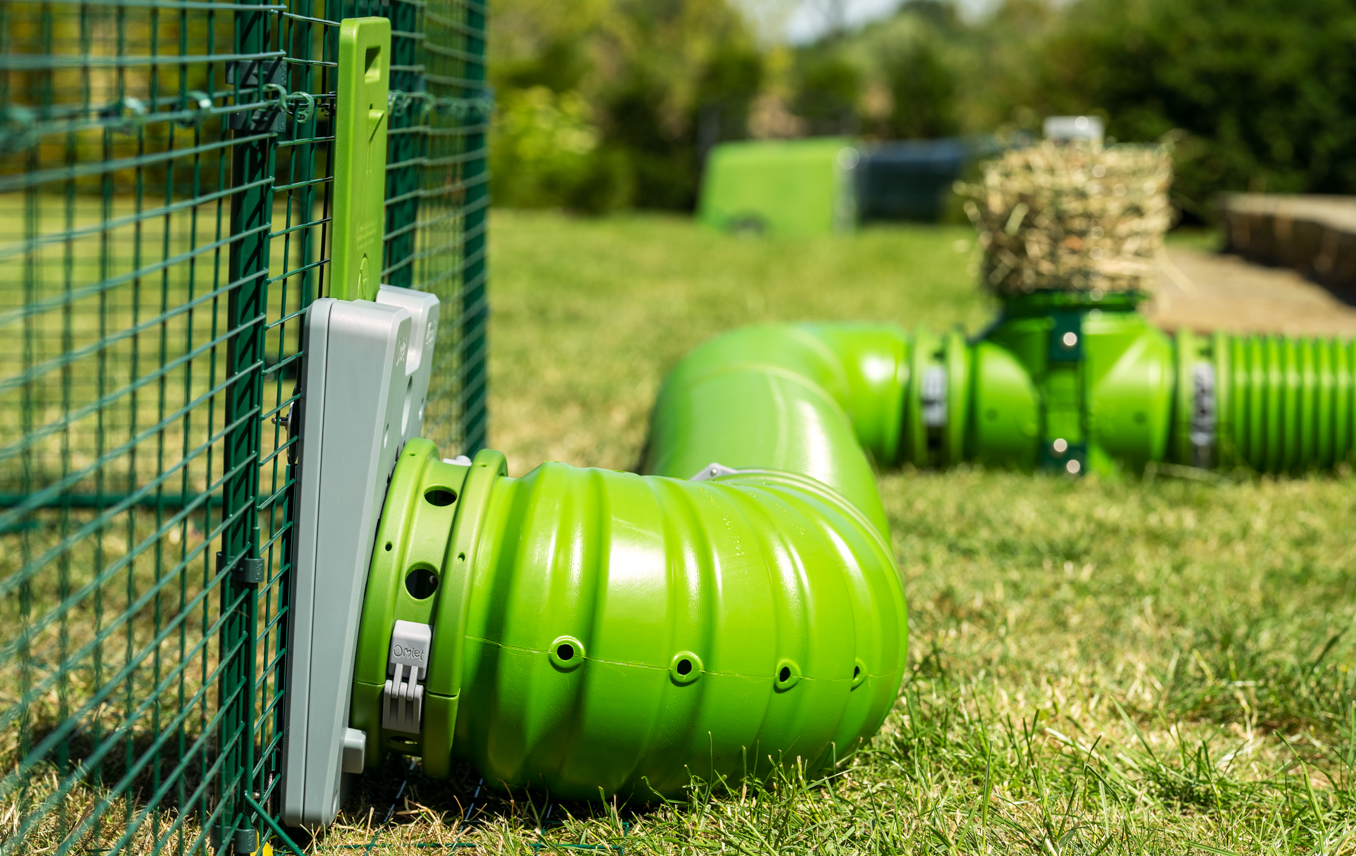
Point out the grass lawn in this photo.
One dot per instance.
(1148, 666)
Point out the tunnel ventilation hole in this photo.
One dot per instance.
(421, 582)
(566, 653)
(858, 673)
(685, 667)
(788, 674)
(388, 546)
(439, 496)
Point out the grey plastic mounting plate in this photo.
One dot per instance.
(363, 394)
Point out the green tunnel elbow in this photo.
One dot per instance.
(603, 632)
(597, 632)
(820, 400)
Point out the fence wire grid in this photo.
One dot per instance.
(166, 169)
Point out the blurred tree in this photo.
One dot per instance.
(1264, 90)
(923, 90)
(559, 65)
(907, 70)
(645, 68)
(655, 145)
(941, 15)
(543, 145)
(1001, 60)
(828, 87)
(725, 95)
(1260, 94)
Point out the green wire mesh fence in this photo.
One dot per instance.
(165, 177)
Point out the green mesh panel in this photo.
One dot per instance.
(165, 174)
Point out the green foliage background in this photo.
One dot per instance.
(1257, 94)
(630, 75)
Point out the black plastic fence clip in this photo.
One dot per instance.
(247, 570)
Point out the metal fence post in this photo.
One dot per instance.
(407, 148)
(247, 314)
(475, 308)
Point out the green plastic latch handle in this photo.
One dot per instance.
(360, 158)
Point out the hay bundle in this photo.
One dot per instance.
(1073, 216)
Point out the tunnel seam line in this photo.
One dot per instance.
(523, 650)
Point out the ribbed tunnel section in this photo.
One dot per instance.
(598, 632)
(1286, 404)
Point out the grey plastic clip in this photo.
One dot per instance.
(713, 470)
(402, 698)
(1203, 418)
(933, 396)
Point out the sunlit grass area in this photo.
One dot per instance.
(1150, 666)
(1147, 666)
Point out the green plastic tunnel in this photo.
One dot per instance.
(597, 632)
(739, 604)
